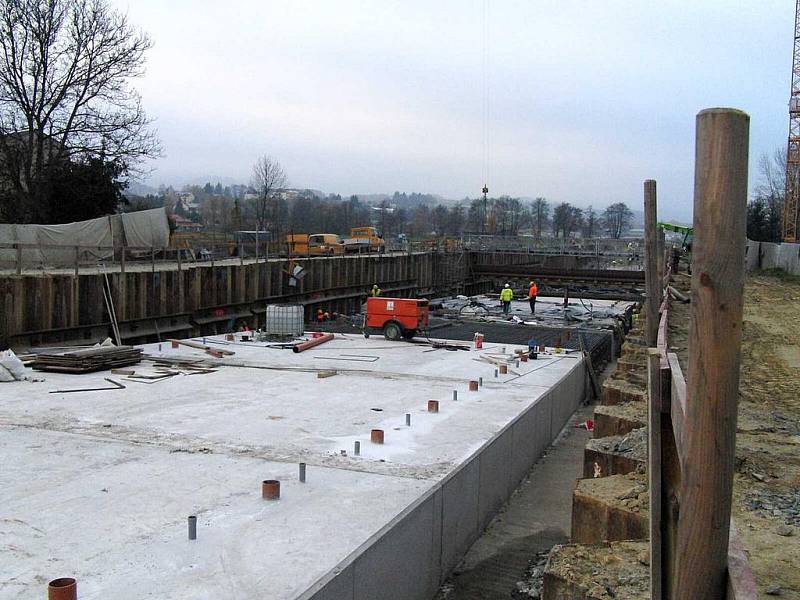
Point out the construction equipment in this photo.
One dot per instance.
(364, 239)
(688, 232)
(396, 317)
(791, 206)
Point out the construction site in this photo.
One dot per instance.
(317, 416)
(208, 436)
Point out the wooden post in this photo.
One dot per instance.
(19, 258)
(662, 265)
(122, 260)
(720, 206)
(77, 259)
(652, 281)
(654, 470)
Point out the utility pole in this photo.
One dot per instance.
(790, 201)
(485, 203)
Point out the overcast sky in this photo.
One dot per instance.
(587, 99)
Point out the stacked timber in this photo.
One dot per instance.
(87, 360)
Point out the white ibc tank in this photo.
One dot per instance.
(284, 319)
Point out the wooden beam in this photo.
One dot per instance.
(652, 281)
(677, 406)
(741, 582)
(709, 436)
(654, 401)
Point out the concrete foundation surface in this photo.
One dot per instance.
(98, 485)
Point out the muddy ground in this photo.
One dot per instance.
(766, 498)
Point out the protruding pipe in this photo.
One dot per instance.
(357, 448)
(311, 343)
(433, 406)
(480, 381)
(455, 394)
(516, 364)
(495, 372)
(408, 419)
(302, 472)
(270, 489)
(63, 588)
(376, 436)
(473, 386)
(503, 369)
(192, 527)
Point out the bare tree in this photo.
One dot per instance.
(269, 179)
(765, 209)
(540, 210)
(617, 219)
(591, 223)
(65, 93)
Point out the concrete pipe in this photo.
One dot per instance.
(311, 343)
(63, 588)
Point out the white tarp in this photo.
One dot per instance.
(147, 228)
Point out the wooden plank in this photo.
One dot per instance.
(709, 428)
(654, 470)
(652, 281)
(741, 582)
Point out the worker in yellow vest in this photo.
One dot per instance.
(376, 291)
(506, 296)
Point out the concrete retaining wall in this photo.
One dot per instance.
(412, 555)
(768, 255)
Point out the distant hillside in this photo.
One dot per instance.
(139, 189)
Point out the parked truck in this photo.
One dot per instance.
(316, 244)
(364, 239)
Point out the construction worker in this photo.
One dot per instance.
(506, 296)
(376, 291)
(533, 290)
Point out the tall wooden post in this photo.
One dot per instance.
(654, 402)
(720, 206)
(652, 282)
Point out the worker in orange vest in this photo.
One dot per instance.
(533, 290)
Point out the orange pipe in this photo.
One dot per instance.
(311, 343)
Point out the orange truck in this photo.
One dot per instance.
(316, 244)
(364, 239)
(396, 317)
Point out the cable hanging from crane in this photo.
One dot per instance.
(486, 112)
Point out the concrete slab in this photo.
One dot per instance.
(98, 485)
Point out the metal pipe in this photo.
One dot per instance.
(63, 588)
(455, 394)
(357, 448)
(480, 381)
(302, 472)
(408, 419)
(192, 527)
(271, 489)
(311, 343)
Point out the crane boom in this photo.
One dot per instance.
(790, 202)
